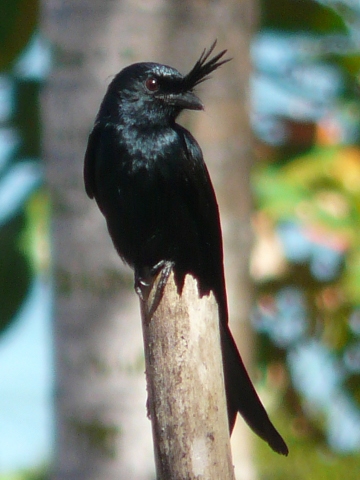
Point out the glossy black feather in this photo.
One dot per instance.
(149, 179)
(203, 68)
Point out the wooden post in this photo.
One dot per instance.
(186, 396)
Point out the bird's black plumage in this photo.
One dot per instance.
(150, 181)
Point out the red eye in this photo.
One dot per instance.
(152, 84)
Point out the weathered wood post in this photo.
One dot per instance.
(186, 396)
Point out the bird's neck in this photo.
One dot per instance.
(147, 133)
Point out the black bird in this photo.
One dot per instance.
(150, 181)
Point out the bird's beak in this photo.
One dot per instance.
(186, 100)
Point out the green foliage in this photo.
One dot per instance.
(35, 239)
(300, 15)
(321, 191)
(24, 245)
(349, 63)
(318, 186)
(308, 198)
(306, 461)
(40, 473)
(18, 19)
(315, 18)
(27, 118)
(15, 271)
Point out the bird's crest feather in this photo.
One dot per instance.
(203, 67)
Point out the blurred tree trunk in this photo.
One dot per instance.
(102, 429)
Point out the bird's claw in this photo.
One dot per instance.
(144, 281)
(142, 287)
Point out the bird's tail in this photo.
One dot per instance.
(242, 397)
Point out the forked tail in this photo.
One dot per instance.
(242, 397)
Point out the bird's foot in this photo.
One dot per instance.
(164, 267)
(144, 281)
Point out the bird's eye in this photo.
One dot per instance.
(152, 84)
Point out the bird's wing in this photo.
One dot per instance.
(90, 161)
(202, 204)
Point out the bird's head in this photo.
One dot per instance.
(155, 93)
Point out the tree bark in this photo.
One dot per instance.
(186, 395)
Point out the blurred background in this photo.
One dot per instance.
(281, 137)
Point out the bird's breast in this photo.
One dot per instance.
(146, 145)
